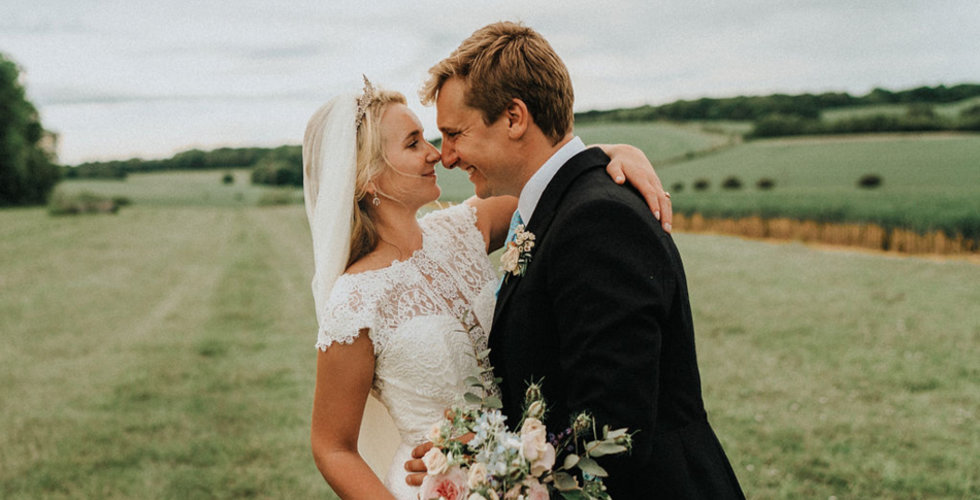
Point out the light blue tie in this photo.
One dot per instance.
(515, 221)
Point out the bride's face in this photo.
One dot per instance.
(411, 179)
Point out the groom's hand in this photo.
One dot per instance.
(415, 466)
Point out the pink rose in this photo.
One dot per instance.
(535, 490)
(513, 493)
(448, 486)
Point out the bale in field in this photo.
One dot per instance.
(869, 181)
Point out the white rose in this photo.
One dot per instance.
(435, 434)
(435, 462)
(508, 261)
(535, 446)
(478, 475)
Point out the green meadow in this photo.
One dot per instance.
(167, 352)
(949, 110)
(929, 181)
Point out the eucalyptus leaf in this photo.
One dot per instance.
(565, 482)
(483, 354)
(493, 402)
(570, 461)
(606, 448)
(472, 398)
(575, 495)
(590, 466)
(473, 381)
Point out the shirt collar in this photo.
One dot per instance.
(536, 185)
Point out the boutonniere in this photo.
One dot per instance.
(515, 259)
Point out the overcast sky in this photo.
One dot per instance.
(124, 78)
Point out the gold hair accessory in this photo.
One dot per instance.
(367, 96)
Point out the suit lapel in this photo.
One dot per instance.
(547, 206)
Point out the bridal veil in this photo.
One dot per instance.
(329, 172)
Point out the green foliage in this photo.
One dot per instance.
(970, 112)
(765, 184)
(228, 178)
(275, 172)
(918, 119)
(27, 169)
(84, 202)
(753, 108)
(284, 157)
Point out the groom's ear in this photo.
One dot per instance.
(518, 118)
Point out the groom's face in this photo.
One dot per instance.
(470, 144)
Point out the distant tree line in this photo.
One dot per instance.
(27, 169)
(920, 117)
(282, 165)
(752, 108)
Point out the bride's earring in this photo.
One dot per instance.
(376, 201)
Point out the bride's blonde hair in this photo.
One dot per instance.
(371, 162)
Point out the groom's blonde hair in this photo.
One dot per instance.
(504, 61)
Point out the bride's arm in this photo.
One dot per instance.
(343, 381)
(626, 164)
(493, 218)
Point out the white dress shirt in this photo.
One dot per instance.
(536, 185)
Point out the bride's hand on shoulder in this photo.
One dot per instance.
(629, 164)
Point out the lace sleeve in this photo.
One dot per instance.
(459, 223)
(348, 311)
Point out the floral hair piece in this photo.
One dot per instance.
(367, 96)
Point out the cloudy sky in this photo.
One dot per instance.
(124, 78)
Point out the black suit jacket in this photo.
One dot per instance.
(602, 316)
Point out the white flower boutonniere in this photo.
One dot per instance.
(515, 259)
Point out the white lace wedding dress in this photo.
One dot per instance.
(428, 318)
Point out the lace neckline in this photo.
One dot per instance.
(395, 263)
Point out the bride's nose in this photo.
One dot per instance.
(434, 156)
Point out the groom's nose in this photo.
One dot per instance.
(449, 156)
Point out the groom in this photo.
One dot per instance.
(601, 313)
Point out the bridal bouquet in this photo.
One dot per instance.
(530, 464)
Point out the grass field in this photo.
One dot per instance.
(167, 352)
(930, 181)
(182, 188)
(661, 141)
(951, 110)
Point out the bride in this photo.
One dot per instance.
(403, 304)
